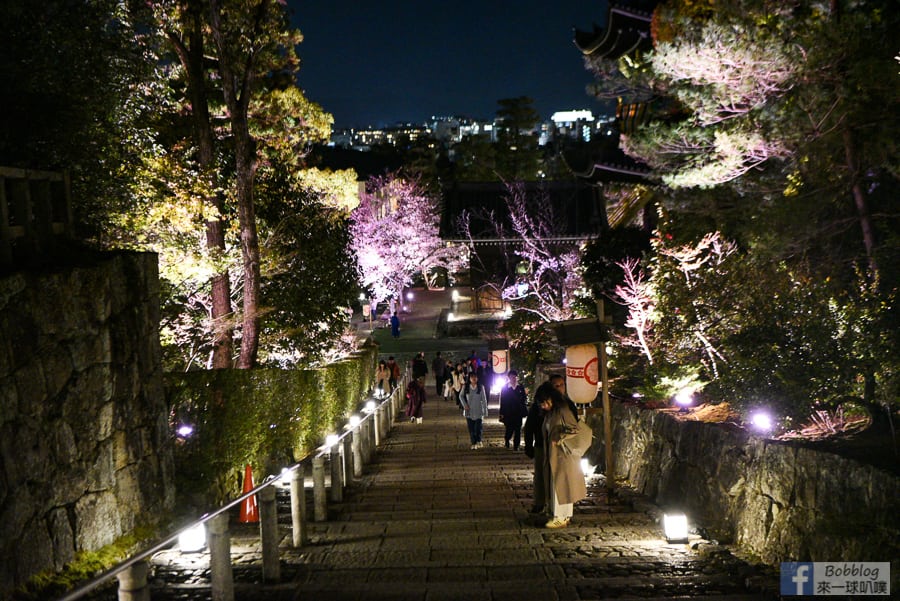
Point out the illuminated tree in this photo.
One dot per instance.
(784, 140)
(540, 279)
(637, 295)
(192, 175)
(395, 236)
(776, 96)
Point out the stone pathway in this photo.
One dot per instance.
(432, 519)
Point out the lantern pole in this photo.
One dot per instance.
(607, 417)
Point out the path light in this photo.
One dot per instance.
(184, 430)
(684, 398)
(454, 296)
(497, 384)
(331, 440)
(193, 539)
(409, 296)
(586, 468)
(676, 527)
(354, 421)
(370, 406)
(450, 317)
(762, 422)
(285, 478)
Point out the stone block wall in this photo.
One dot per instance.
(779, 501)
(84, 444)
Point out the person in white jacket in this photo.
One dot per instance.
(473, 398)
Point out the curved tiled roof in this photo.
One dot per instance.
(627, 30)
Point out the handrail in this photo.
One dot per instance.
(271, 479)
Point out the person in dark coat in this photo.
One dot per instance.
(513, 409)
(533, 432)
(415, 400)
(439, 368)
(394, 377)
(419, 367)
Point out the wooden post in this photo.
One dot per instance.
(607, 416)
(219, 541)
(268, 534)
(298, 506)
(320, 501)
(133, 583)
(337, 472)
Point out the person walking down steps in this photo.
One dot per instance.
(473, 399)
(415, 400)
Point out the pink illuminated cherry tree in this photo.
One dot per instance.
(395, 236)
(541, 278)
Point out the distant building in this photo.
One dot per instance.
(364, 138)
(579, 125)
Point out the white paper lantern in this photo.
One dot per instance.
(500, 361)
(582, 373)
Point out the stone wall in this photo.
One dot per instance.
(779, 501)
(84, 451)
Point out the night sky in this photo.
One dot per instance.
(382, 62)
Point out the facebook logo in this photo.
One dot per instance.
(797, 578)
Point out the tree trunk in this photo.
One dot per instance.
(236, 84)
(859, 200)
(192, 59)
(246, 169)
(191, 56)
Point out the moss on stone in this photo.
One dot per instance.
(86, 565)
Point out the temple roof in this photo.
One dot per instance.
(606, 164)
(626, 172)
(627, 30)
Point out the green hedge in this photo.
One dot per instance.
(267, 418)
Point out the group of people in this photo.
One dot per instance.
(387, 374)
(549, 422)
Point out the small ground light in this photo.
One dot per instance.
(193, 539)
(331, 440)
(586, 468)
(676, 527)
(684, 399)
(354, 421)
(185, 430)
(450, 317)
(370, 406)
(409, 296)
(762, 421)
(454, 296)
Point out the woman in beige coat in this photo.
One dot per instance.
(567, 485)
(382, 378)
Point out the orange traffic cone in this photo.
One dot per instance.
(249, 507)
